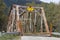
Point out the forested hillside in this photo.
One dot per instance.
(52, 13)
(3, 16)
(20, 2)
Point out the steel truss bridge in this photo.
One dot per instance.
(27, 22)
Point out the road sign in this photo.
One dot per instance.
(30, 8)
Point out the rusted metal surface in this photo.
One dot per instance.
(23, 21)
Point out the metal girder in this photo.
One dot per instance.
(26, 21)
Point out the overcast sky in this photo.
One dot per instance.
(55, 1)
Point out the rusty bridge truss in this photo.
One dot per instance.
(23, 21)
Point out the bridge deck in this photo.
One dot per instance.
(36, 34)
(38, 38)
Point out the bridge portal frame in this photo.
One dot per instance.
(18, 25)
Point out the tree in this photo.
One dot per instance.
(53, 15)
(3, 17)
(52, 12)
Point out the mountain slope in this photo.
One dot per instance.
(20, 2)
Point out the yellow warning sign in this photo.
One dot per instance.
(30, 8)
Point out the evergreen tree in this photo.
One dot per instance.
(3, 17)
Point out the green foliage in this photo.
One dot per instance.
(8, 37)
(31, 4)
(3, 17)
(2, 5)
(52, 14)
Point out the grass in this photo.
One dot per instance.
(9, 37)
